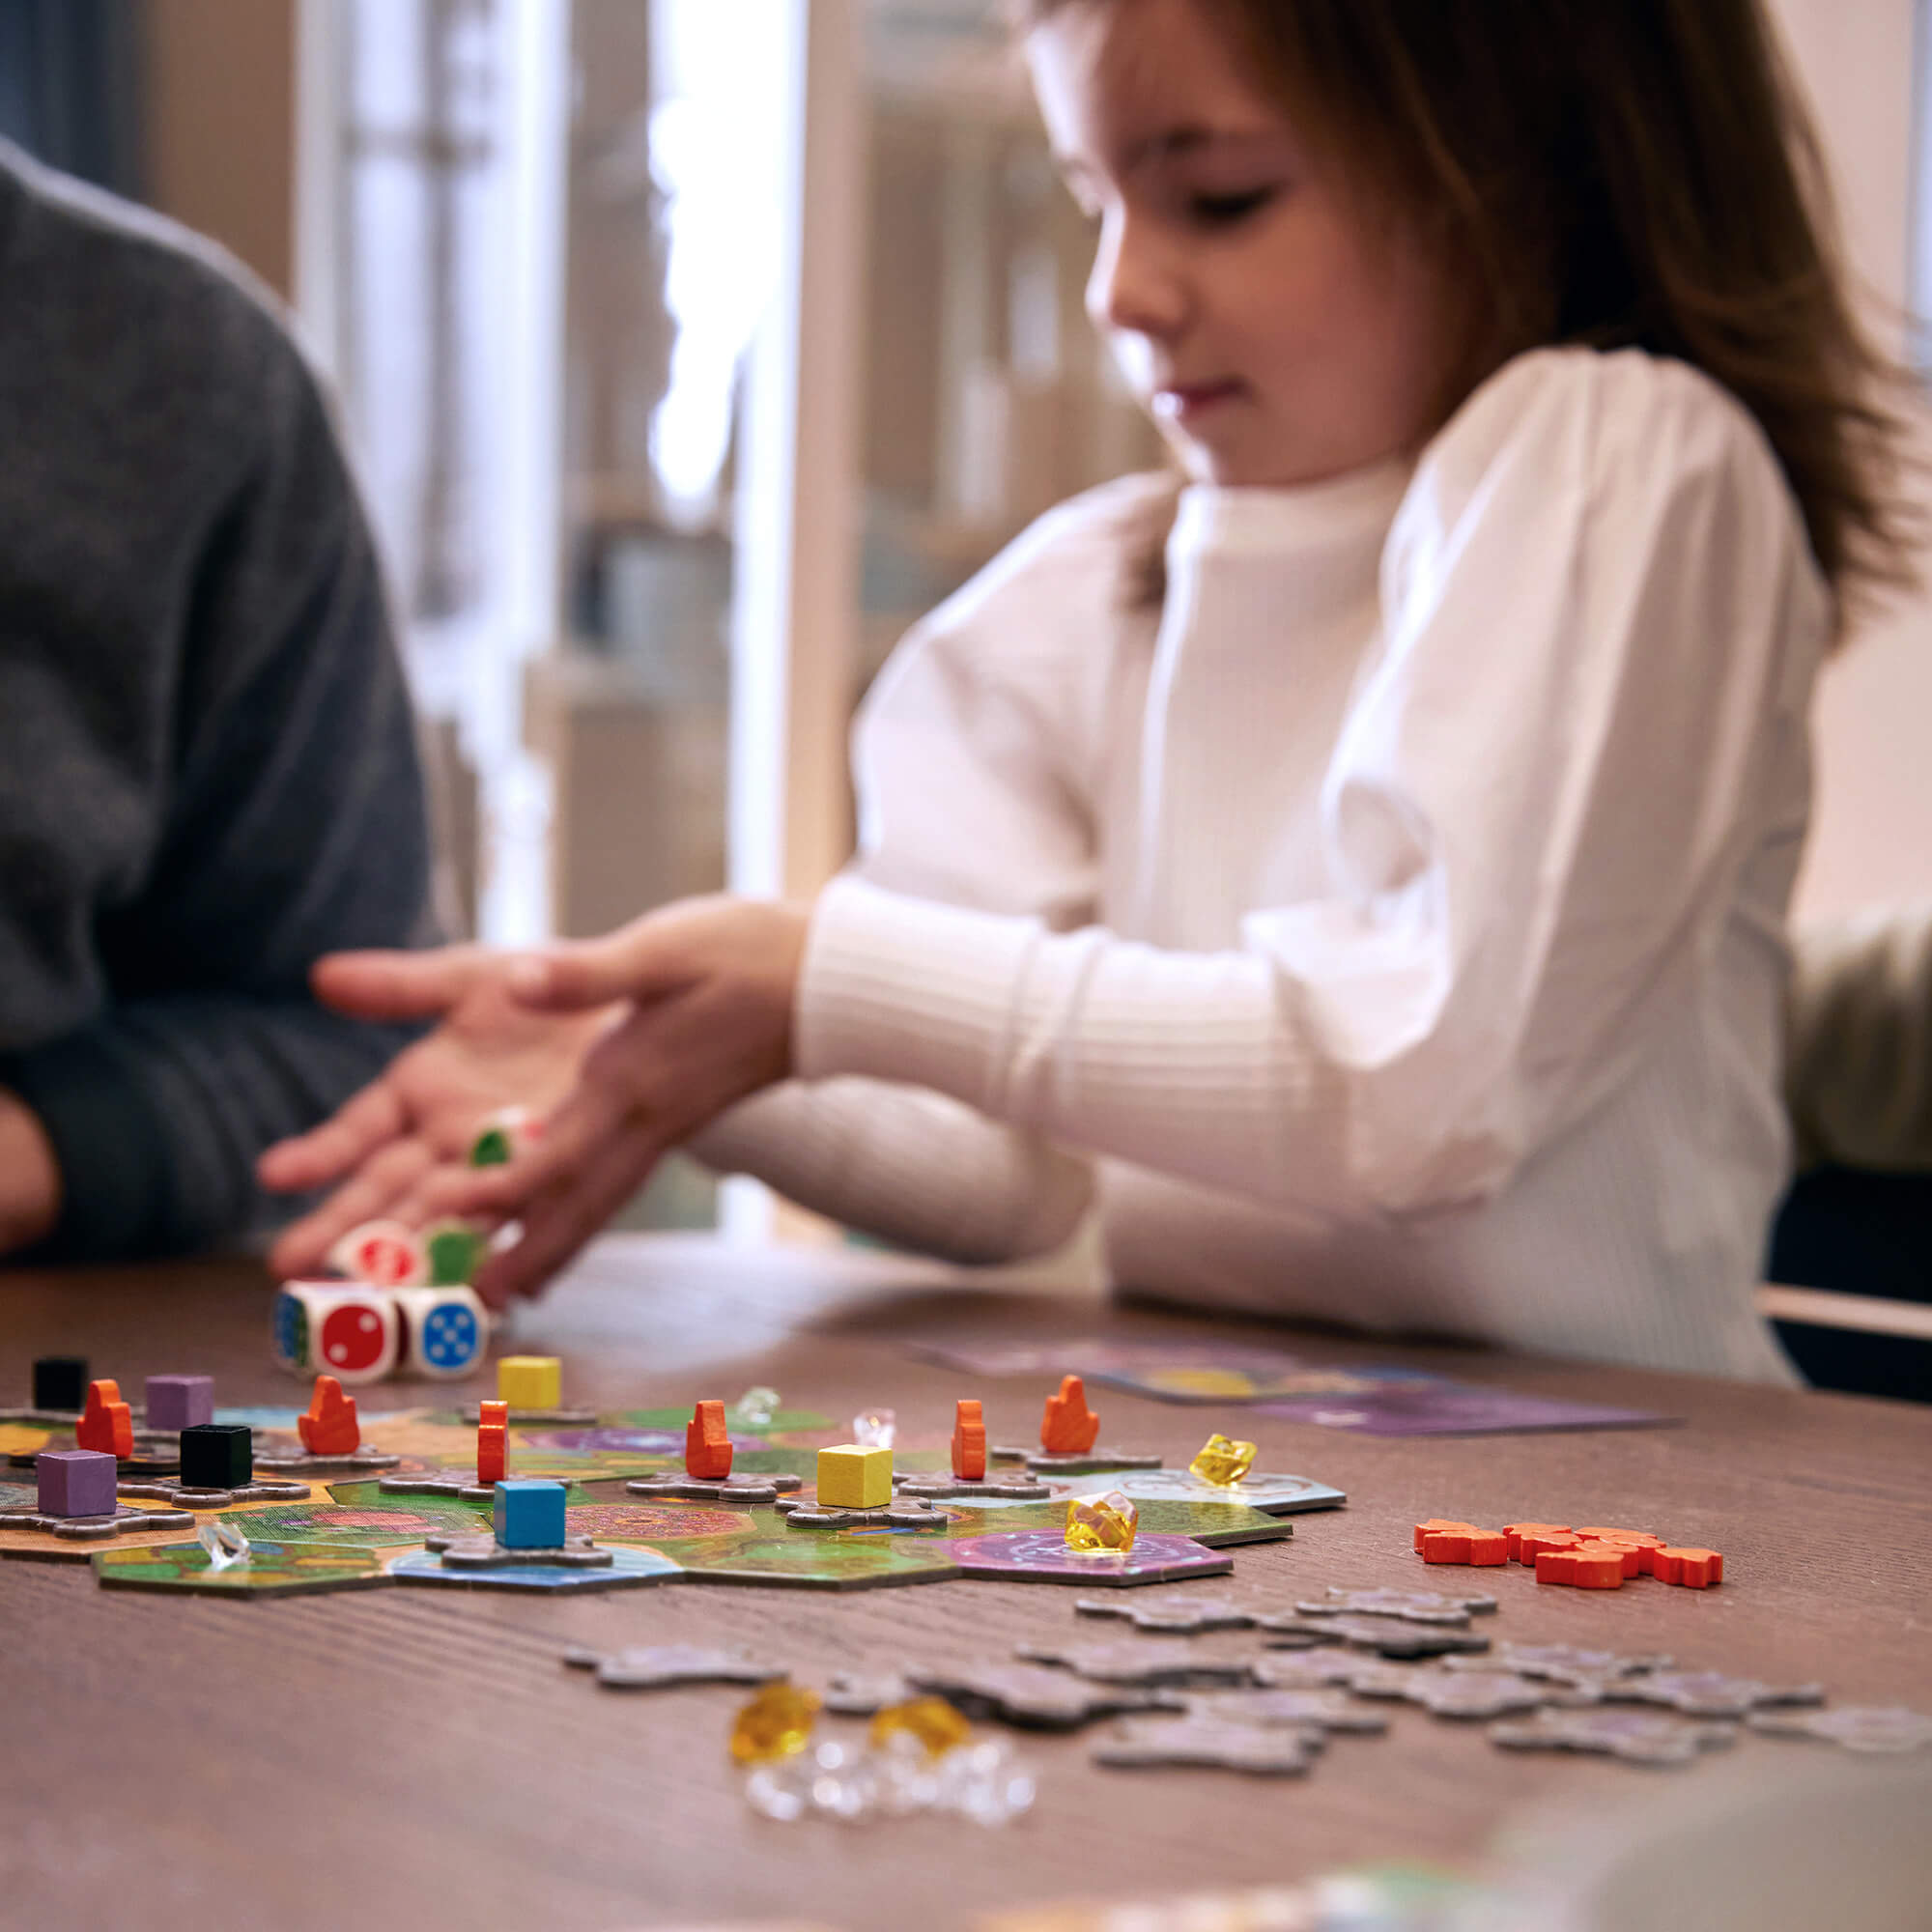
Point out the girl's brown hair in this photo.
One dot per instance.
(1615, 173)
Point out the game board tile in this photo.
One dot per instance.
(629, 1568)
(1204, 1743)
(272, 1569)
(1214, 1524)
(1032, 1695)
(1875, 1729)
(769, 1554)
(1638, 1737)
(1042, 1556)
(1270, 1493)
(667, 1666)
(780, 1422)
(170, 1524)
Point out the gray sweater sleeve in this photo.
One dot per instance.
(268, 724)
(1858, 1041)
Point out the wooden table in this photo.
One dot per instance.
(419, 1758)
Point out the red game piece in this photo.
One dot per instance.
(1069, 1427)
(492, 1442)
(1693, 1569)
(1464, 1543)
(1590, 1565)
(1527, 1538)
(707, 1444)
(107, 1423)
(969, 1443)
(1435, 1525)
(329, 1428)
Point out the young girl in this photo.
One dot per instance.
(1361, 873)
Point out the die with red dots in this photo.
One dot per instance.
(346, 1329)
(385, 1254)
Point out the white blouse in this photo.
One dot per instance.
(1390, 930)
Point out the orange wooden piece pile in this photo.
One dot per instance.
(1592, 1558)
(969, 1443)
(707, 1444)
(329, 1428)
(108, 1423)
(1069, 1427)
(492, 1442)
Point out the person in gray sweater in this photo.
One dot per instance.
(208, 764)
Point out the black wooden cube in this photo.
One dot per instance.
(60, 1383)
(217, 1456)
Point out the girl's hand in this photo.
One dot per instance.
(709, 984)
(417, 1118)
(688, 1010)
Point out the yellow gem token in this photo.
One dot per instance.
(932, 1720)
(1101, 1526)
(1223, 1461)
(775, 1723)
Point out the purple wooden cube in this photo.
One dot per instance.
(77, 1482)
(180, 1402)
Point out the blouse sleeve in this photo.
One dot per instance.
(1596, 606)
(972, 792)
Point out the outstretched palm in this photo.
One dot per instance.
(380, 1151)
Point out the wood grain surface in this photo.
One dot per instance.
(421, 1759)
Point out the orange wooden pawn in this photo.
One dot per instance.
(1069, 1427)
(969, 1443)
(329, 1428)
(707, 1444)
(107, 1424)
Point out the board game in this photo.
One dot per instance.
(525, 1494)
(359, 1530)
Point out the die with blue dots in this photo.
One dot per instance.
(447, 1330)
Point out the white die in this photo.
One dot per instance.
(445, 1331)
(385, 1254)
(341, 1328)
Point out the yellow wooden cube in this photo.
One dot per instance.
(855, 1478)
(530, 1381)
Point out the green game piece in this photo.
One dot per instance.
(455, 1251)
(496, 1144)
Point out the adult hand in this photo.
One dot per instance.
(30, 1177)
(385, 1145)
(708, 987)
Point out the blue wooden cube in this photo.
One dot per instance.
(529, 1514)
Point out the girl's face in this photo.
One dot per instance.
(1275, 333)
